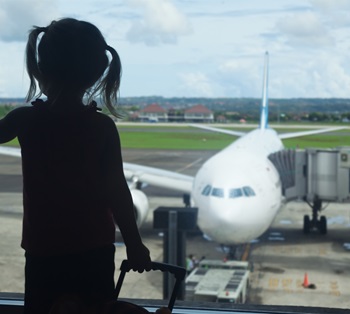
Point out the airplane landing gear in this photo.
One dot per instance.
(237, 252)
(231, 252)
(315, 223)
(323, 225)
(186, 200)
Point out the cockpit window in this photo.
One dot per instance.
(248, 191)
(217, 192)
(235, 193)
(206, 190)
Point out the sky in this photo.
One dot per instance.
(200, 48)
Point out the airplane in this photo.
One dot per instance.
(238, 191)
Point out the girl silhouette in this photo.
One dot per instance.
(74, 189)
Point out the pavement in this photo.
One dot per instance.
(282, 258)
(285, 260)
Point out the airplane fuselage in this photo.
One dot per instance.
(238, 191)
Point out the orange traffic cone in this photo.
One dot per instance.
(306, 281)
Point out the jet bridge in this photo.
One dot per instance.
(314, 175)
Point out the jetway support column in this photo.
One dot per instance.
(175, 221)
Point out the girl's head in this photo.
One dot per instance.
(71, 56)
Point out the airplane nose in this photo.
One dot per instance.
(231, 220)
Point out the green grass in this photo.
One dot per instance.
(192, 140)
(319, 141)
(172, 140)
(177, 138)
(13, 143)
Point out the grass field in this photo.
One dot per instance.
(155, 137)
(189, 138)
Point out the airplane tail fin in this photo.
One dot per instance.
(264, 111)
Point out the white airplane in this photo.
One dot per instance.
(238, 191)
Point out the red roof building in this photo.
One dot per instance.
(153, 113)
(199, 113)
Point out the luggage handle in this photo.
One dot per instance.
(178, 272)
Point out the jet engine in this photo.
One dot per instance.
(141, 205)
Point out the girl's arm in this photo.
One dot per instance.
(122, 205)
(10, 124)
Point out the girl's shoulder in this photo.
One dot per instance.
(20, 112)
(16, 121)
(30, 109)
(105, 121)
(90, 113)
(104, 118)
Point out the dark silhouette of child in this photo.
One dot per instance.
(74, 189)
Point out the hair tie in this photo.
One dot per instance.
(111, 50)
(37, 102)
(41, 29)
(93, 105)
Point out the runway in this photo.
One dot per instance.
(280, 258)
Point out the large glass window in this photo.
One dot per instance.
(171, 57)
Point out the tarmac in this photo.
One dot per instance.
(282, 259)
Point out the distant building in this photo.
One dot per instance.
(199, 113)
(134, 116)
(221, 119)
(153, 113)
(175, 115)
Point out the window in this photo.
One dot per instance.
(218, 192)
(248, 191)
(235, 193)
(172, 63)
(206, 190)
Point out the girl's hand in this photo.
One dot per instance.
(163, 310)
(138, 257)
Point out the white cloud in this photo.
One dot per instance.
(327, 5)
(230, 66)
(196, 84)
(328, 78)
(304, 29)
(310, 76)
(18, 16)
(242, 77)
(219, 52)
(162, 23)
(335, 13)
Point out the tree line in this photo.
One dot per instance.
(233, 109)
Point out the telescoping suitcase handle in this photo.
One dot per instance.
(178, 272)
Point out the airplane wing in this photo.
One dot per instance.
(312, 132)
(138, 173)
(158, 177)
(281, 136)
(209, 128)
(10, 151)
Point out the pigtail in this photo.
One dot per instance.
(32, 61)
(109, 85)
